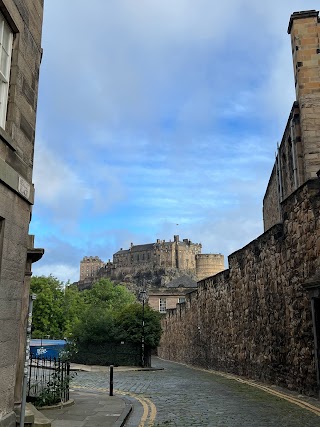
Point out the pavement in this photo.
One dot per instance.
(90, 409)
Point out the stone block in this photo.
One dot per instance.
(9, 420)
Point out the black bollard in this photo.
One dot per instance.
(111, 381)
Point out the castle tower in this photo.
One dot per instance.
(89, 267)
(304, 28)
(208, 265)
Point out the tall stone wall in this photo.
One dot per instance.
(254, 319)
(22, 23)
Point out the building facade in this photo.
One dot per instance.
(165, 298)
(298, 156)
(173, 254)
(20, 51)
(90, 266)
(260, 317)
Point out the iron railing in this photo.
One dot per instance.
(48, 381)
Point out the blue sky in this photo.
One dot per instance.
(154, 113)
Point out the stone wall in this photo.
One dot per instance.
(23, 20)
(298, 156)
(271, 202)
(288, 171)
(254, 319)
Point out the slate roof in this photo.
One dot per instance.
(123, 251)
(182, 282)
(146, 247)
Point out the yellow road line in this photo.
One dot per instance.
(149, 408)
(305, 405)
(143, 403)
(153, 412)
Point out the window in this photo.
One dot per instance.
(162, 305)
(181, 300)
(6, 37)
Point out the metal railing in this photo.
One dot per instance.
(48, 382)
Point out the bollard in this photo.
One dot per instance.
(111, 381)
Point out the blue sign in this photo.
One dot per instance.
(47, 348)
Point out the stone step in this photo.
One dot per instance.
(34, 418)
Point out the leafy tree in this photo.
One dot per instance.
(47, 317)
(56, 308)
(73, 306)
(107, 294)
(101, 303)
(129, 325)
(95, 326)
(105, 313)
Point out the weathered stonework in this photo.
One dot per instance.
(298, 156)
(261, 317)
(24, 22)
(254, 319)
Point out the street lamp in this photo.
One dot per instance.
(143, 298)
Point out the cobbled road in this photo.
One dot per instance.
(185, 397)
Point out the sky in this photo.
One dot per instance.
(156, 118)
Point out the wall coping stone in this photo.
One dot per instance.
(302, 15)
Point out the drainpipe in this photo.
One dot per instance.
(26, 363)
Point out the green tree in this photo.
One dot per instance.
(129, 325)
(73, 307)
(48, 316)
(106, 294)
(95, 326)
(56, 309)
(96, 323)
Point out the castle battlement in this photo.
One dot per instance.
(182, 255)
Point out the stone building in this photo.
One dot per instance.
(20, 51)
(298, 156)
(89, 267)
(182, 256)
(260, 317)
(164, 298)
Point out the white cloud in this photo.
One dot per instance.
(62, 272)
(55, 180)
(156, 113)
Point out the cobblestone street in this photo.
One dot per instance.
(189, 397)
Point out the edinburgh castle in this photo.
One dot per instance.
(155, 263)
